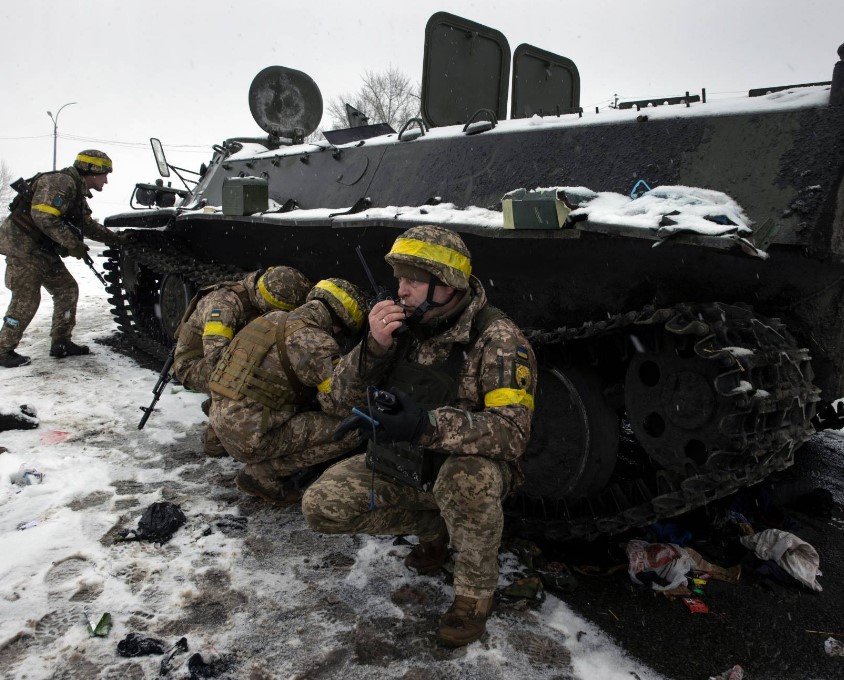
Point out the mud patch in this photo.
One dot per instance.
(92, 500)
(54, 625)
(15, 650)
(65, 570)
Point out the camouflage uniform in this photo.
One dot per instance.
(221, 311)
(277, 440)
(485, 430)
(34, 240)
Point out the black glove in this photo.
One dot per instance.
(401, 419)
(78, 250)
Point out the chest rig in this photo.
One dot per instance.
(430, 386)
(239, 374)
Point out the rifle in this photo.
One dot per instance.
(381, 292)
(25, 192)
(163, 378)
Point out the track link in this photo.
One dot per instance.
(761, 373)
(134, 271)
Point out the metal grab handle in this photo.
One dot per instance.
(492, 121)
(423, 128)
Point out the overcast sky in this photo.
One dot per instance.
(181, 69)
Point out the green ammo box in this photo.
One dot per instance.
(245, 195)
(540, 209)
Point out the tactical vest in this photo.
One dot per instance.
(193, 341)
(238, 374)
(431, 386)
(20, 210)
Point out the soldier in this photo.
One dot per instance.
(472, 377)
(216, 314)
(271, 382)
(836, 88)
(38, 232)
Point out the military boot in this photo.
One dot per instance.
(465, 621)
(428, 557)
(67, 348)
(12, 359)
(212, 445)
(279, 491)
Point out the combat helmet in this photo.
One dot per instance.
(282, 288)
(92, 162)
(436, 250)
(345, 300)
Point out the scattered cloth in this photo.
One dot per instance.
(158, 523)
(23, 417)
(664, 566)
(799, 559)
(734, 673)
(833, 647)
(27, 475)
(135, 644)
(167, 662)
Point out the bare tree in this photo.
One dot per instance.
(6, 191)
(385, 97)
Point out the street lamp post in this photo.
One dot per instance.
(56, 129)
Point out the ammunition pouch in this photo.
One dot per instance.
(414, 466)
(239, 374)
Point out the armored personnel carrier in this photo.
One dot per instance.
(712, 352)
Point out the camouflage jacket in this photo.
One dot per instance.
(492, 413)
(58, 198)
(312, 353)
(218, 316)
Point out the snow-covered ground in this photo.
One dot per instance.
(249, 586)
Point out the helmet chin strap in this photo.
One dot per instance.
(428, 303)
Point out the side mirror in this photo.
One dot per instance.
(160, 160)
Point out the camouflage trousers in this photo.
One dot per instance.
(304, 440)
(24, 278)
(465, 501)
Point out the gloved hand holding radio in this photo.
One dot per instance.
(394, 417)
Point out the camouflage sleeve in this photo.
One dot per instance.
(52, 197)
(222, 316)
(350, 382)
(96, 231)
(501, 372)
(313, 354)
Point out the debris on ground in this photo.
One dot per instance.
(792, 554)
(158, 523)
(833, 647)
(99, 629)
(734, 673)
(27, 475)
(23, 417)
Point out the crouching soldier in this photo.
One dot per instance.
(216, 314)
(273, 405)
(447, 428)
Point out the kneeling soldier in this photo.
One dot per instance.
(273, 405)
(217, 313)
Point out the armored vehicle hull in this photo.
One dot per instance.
(711, 355)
